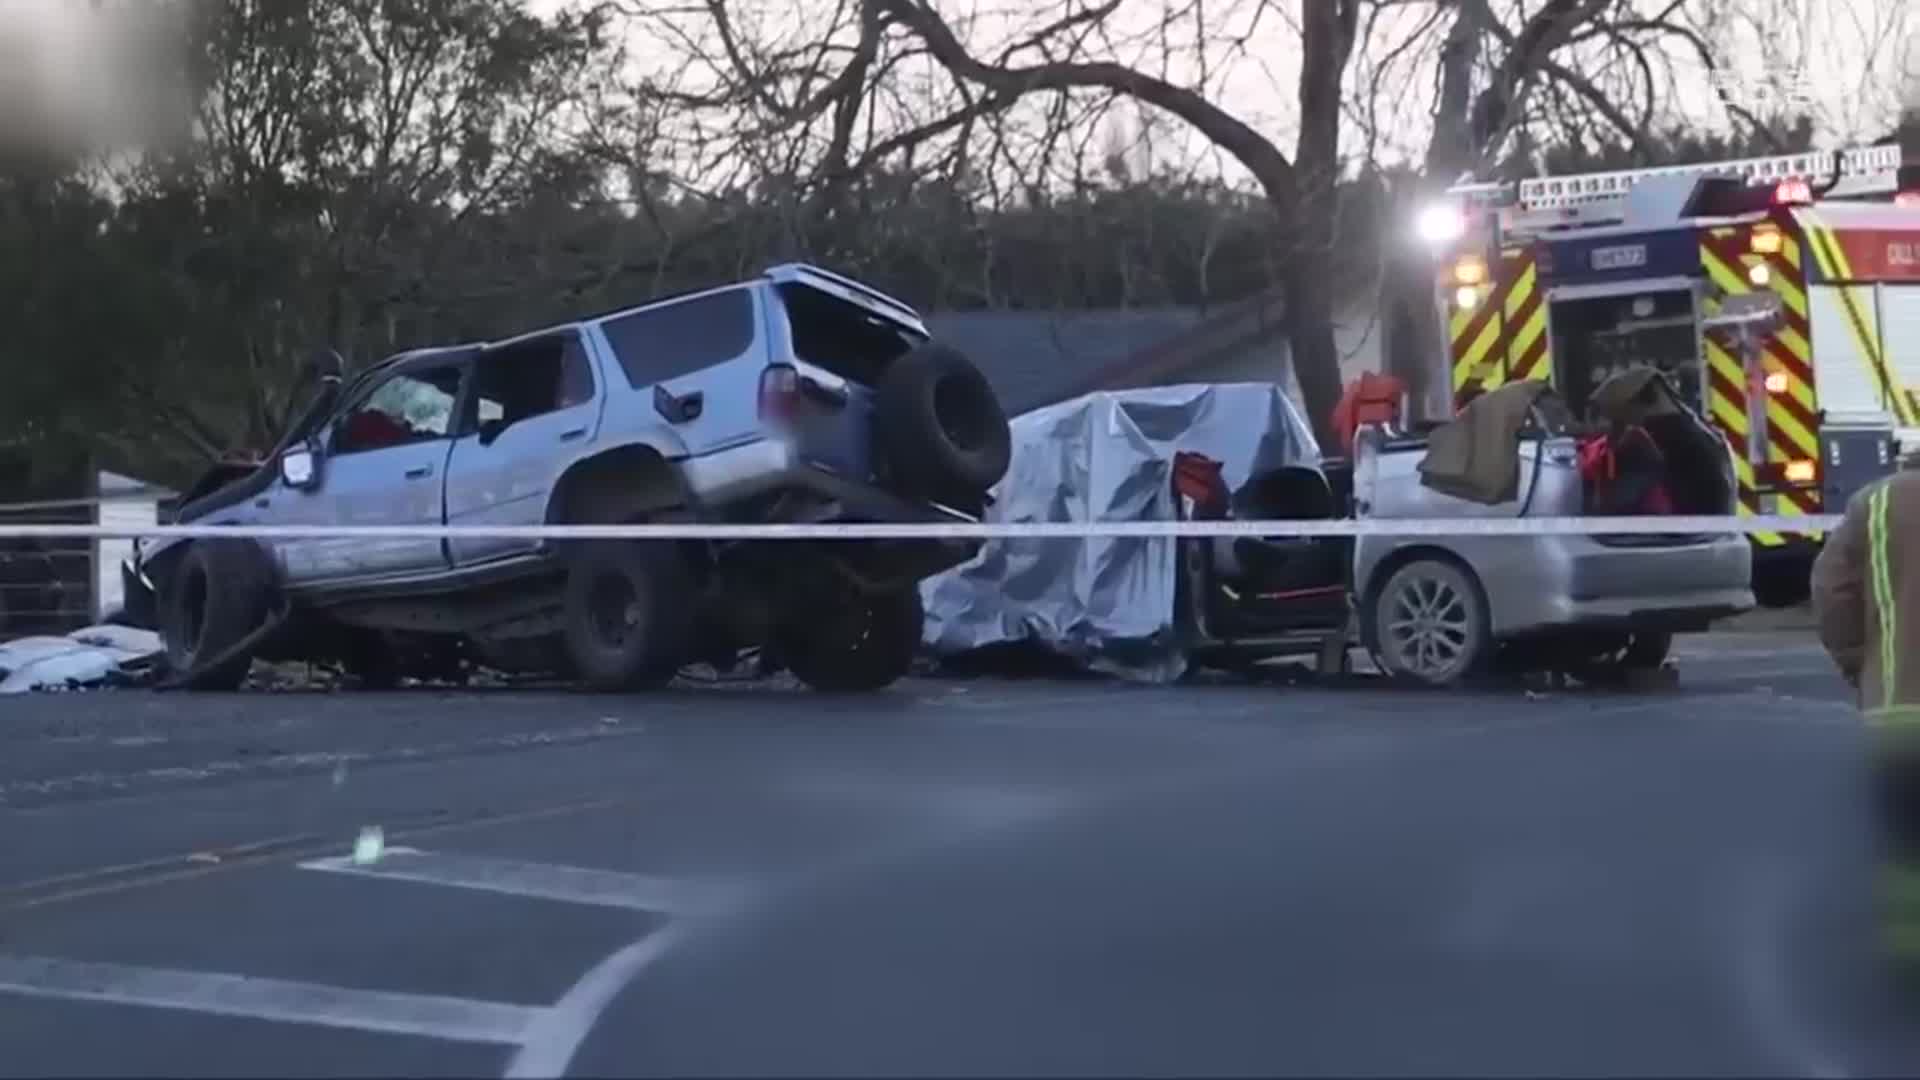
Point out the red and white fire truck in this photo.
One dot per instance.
(1570, 278)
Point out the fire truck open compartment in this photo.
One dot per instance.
(1598, 336)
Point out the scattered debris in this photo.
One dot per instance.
(369, 846)
(91, 657)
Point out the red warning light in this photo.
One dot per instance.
(1792, 191)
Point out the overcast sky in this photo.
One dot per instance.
(1859, 58)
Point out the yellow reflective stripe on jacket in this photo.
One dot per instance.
(1899, 718)
(1877, 547)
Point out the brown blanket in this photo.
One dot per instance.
(1476, 455)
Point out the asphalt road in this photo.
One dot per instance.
(967, 877)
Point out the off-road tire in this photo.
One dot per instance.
(866, 643)
(641, 645)
(219, 592)
(941, 425)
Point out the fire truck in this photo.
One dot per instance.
(1780, 295)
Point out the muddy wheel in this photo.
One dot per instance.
(220, 592)
(867, 643)
(1428, 624)
(628, 613)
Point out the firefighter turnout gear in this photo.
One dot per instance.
(1866, 593)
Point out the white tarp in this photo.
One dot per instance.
(94, 656)
(1107, 603)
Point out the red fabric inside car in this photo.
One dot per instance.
(1608, 479)
(370, 429)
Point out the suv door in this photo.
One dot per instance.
(534, 404)
(384, 461)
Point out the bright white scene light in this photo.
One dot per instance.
(1440, 224)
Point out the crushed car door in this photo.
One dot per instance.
(534, 406)
(384, 463)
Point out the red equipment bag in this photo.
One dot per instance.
(1369, 399)
(1599, 466)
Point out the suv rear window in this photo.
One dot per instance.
(682, 337)
(843, 338)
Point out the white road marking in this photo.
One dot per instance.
(1762, 977)
(555, 1037)
(427, 1016)
(542, 881)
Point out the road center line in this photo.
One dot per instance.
(541, 881)
(427, 1016)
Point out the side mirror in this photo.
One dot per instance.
(298, 467)
(326, 364)
(490, 430)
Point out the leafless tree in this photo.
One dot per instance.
(1500, 77)
(906, 82)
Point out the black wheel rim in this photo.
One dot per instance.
(613, 609)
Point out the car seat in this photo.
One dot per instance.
(1280, 564)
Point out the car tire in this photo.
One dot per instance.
(941, 425)
(219, 593)
(1633, 654)
(867, 643)
(1783, 584)
(1428, 625)
(627, 609)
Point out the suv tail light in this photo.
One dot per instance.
(779, 392)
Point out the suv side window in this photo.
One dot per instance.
(683, 337)
(520, 381)
(409, 407)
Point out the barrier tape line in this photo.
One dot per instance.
(1676, 525)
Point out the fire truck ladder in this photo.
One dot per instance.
(1600, 197)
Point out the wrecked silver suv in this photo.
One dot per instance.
(798, 396)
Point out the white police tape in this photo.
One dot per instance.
(1673, 525)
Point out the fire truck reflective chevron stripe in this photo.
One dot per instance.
(1791, 416)
(1473, 332)
(1830, 257)
(1503, 335)
(1526, 324)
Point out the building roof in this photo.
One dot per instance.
(1036, 358)
(1214, 335)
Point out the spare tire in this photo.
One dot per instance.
(941, 426)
